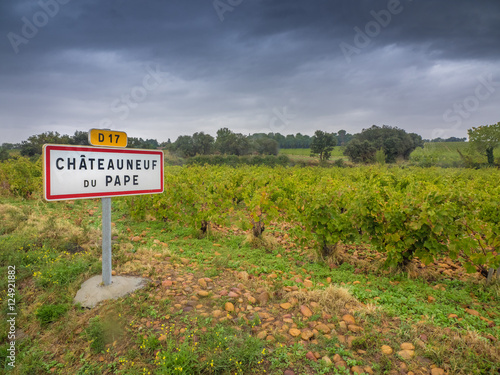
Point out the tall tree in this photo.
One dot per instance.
(342, 134)
(203, 143)
(184, 146)
(484, 139)
(80, 138)
(265, 146)
(290, 141)
(343, 137)
(231, 143)
(322, 145)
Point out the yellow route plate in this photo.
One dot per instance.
(100, 137)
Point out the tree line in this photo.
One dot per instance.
(231, 143)
(226, 142)
(394, 142)
(200, 143)
(383, 144)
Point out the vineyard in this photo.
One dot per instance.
(253, 269)
(401, 213)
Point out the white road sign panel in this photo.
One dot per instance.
(79, 172)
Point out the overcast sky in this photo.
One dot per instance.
(160, 69)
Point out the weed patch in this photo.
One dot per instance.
(95, 334)
(50, 313)
(332, 299)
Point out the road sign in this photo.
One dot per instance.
(79, 172)
(110, 138)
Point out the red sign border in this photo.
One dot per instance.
(46, 172)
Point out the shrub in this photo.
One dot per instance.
(4, 154)
(380, 156)
(360, 151)
(50, 313)
(21, 177)
(395, 142)
(339, 163)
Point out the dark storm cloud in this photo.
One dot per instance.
(328, 64)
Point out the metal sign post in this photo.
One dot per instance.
(106, 240)
(107, 137)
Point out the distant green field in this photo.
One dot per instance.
(445, 154)
(295, 151)
(337, 153)
(446, 147)
(439, 154)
